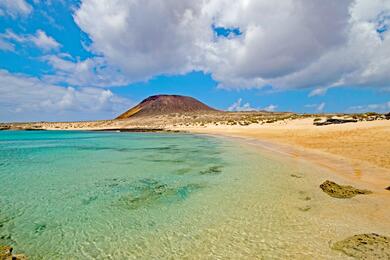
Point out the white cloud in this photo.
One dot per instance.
(40, 39)
(15, 7)
(146, 38)
(43, 41)
(380, 108)
(318, 92)
(289, 44)
(240, 106)
(321, 107)
(270, 108)
(88, 72)
(236, 106)
(318, 107)
(23, 98)
(6, 46)
(286, 38)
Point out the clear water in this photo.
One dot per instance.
(89, 195)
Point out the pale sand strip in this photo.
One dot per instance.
(358, 152)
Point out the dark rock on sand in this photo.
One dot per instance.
(388, 188)
(365, 246)
(340, 191)
(6, 254)
(387, 116)
(331, 121)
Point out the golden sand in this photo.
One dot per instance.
(359, 151)
(365, 141)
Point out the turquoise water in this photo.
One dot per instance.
(102, 195)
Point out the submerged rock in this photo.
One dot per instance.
(340, 191)
(149, 191)
(212, 170)
(6, 254)
(365, 246)
(304, 209)
(5, 251)
(183, 171)
(296, 176)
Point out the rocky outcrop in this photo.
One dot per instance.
(4, 127)
(387, 116)
(166, 104)
(332, 121)
(340, 191)
(6, 254)
(365, 246)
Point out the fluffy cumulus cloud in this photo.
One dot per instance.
(238, 106)
(286, 38)
(146, 38)
(89, 72)
(23, 97)
(14, 8)
(289, 44)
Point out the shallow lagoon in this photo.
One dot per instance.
(89, 195)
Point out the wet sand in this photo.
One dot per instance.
(359, 152)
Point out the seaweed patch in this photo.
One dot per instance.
(182, 171)
(39, 228)
(149, 191)
(212, 170)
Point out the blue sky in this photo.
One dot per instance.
(80, 60)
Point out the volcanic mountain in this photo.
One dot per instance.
(166, 104)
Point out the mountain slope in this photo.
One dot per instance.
(166, 104)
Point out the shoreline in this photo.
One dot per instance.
(365, 173)
(359, 152)
(338, 167)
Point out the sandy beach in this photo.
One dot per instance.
(358, 151)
